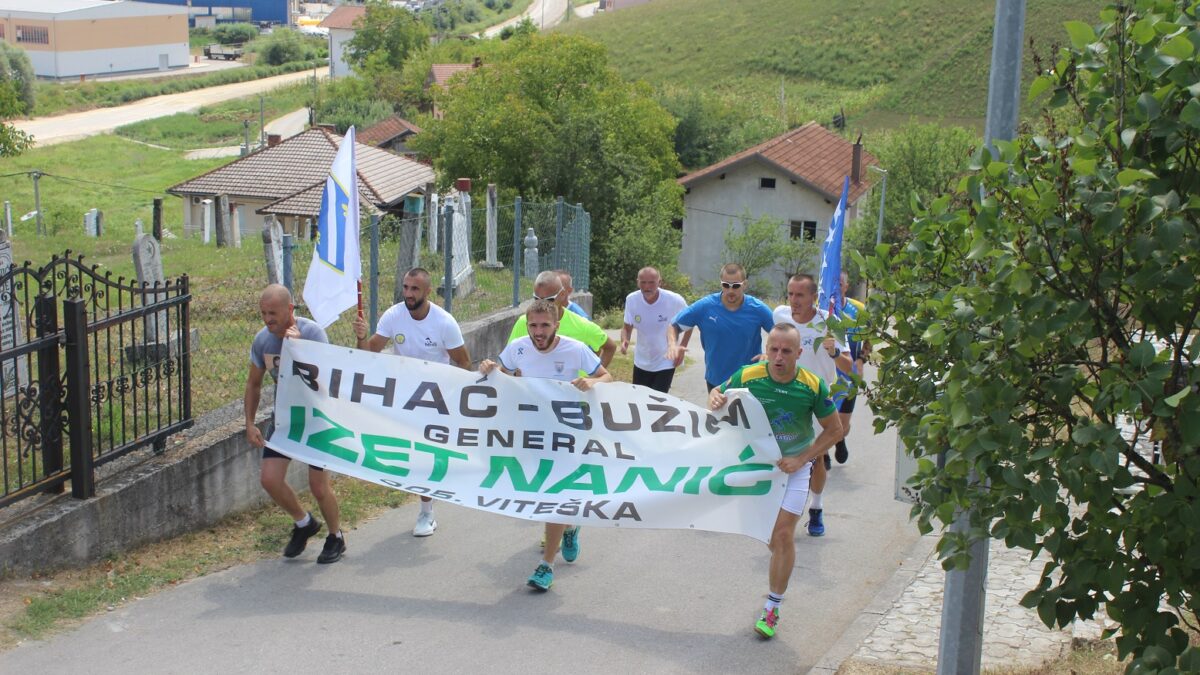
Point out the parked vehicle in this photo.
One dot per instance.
(220, 51)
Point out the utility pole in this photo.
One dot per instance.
(961, 645)
(37, 202)
(262, 124)
(882, 203)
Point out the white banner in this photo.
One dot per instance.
(617, 456)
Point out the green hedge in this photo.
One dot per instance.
(53, 98)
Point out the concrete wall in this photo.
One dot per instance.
(738, 194)
(338, 37)
(207, 473)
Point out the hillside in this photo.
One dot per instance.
(882, 60)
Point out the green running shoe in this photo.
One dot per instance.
(766, 623)
(542, 578)
(570, 544)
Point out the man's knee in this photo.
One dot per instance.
(318, 483)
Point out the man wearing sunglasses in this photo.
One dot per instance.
(547, 286)
(731, 325)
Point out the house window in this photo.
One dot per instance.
(804, 229)
(766, 183)
(37, 35)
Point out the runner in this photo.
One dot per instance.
(278, 313)
(418, 329)
(822, 354)
(650, 310)
(544, 353)
(791, 397)
(859, 349)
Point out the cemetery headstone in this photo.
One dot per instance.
(272, 237)
(15, 372)
(147, 261)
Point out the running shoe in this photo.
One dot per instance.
(425, 525)
(767, 623)
(816, 526)
(842, 453)
(335, 546)
(542, 578)
(300, 537)
(570, 544)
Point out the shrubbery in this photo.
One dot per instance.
(58, 98)
(286, 46)
(234, 33)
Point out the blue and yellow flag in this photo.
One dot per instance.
(332, 283)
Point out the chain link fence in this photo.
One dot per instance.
(225, 308)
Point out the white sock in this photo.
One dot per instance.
(303, 522)
(426, 507)
(814, 500)
(773, 601)
(339, 535)
(542, 561)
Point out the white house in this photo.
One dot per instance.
(340, 24)
(70, 38)
(796, 178)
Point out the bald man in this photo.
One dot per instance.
(281, 323)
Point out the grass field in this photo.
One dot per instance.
(923, 58)
(218, 125)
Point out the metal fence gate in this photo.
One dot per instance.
(91, 368)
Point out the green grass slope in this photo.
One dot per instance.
(881, 59)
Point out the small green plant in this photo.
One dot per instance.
(765, 245)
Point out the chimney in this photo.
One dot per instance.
(476, 62)
(273, 140)
(856, 163)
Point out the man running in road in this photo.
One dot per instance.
(650, 310)
(418, 329)
(792, 397)
(545, 353)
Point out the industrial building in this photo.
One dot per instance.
(249, 11)
(70, 38)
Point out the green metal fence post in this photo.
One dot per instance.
(516, 264)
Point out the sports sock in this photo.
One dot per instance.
(542, 561)
(339, 535)
(814, 500)
(303, 522)
(773, 601)
(426, 507)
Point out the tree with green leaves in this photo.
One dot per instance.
(17, 87)
(384, 37)
(550, 117)
(1043, 335)
(763, 245)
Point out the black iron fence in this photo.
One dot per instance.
(91, 368)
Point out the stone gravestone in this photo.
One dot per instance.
(147, 261)
(272, 238)
(490, 259)
(12, 328)
(460, 248)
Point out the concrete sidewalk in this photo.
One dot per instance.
(635, 601)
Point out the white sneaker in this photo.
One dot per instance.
(425, 525)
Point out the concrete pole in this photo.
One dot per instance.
(8, 217)
(961, 645)
(882, 204)
(37, 202)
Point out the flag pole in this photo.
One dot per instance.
(360, 309)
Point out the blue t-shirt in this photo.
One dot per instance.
(730, 339)
(573, 306)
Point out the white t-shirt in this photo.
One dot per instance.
(651, 321)
(428, 339)
(564, 363)
(812, 355)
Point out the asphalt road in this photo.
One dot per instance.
(543, 14)
(635, 601)
(74, 126)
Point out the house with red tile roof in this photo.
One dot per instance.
(795, 178)
(340, 23)
(440, 75)
(392, 133)
(285, 180)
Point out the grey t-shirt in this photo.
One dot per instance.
(266, 347)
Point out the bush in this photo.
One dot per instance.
(17, 71)
(762, 247)
(346, 112)
(234, 33)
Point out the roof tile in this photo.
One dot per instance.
(811, 153)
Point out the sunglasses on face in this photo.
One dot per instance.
(732, 284)
(548, 297)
